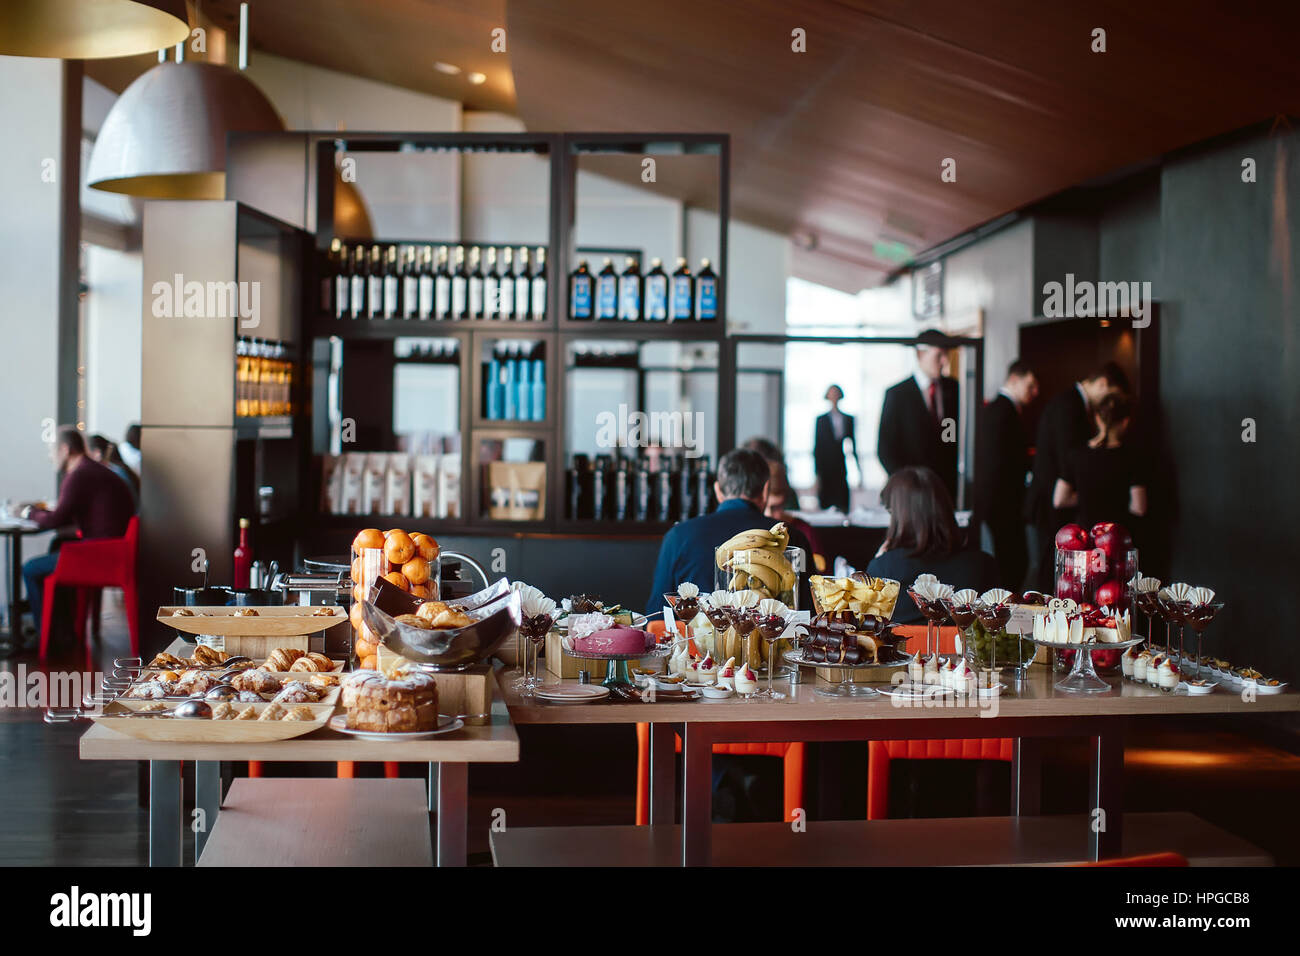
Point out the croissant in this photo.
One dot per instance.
(305, 664)
(166, 660)
(282, 658)
(451, 619)
(207, 656)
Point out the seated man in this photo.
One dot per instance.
(686, 553)
(91, 498)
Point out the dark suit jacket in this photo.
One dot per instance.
(1001, 462)
(828, 454)
(909, 435)
(1065, 425)
(686, 553)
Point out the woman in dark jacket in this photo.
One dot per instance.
(923, 537)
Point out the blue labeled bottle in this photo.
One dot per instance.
(607, 292)
(539, 390)
(706, 293)
(494, 395)
(581, 298)
(510, 403)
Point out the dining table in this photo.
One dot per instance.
(14, 529)
(1031, 711)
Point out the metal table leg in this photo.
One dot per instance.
(663, 773)
(1106, 796)
(1026, 777)
(453, 796)
(207, 798)
(697, 795)
(164, 813)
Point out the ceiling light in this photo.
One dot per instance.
(90, 29)
(477, 78)
(451, 69)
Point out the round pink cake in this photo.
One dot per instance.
(614, 640)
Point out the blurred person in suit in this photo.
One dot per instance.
(912, 419)
(1001, 466)
(832, 430)
(1066, 424)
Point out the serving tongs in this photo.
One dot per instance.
(497, 613)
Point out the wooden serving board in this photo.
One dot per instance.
(466, 693)
(169, 729)
(270, 622)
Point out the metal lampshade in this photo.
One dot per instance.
(351, 217)
(165, 137)
(89, 29)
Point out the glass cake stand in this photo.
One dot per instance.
(1083, 678)
(843, 687)
(616, 673)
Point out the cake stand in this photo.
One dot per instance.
(616, 673)
(843, 687)
(1083, 678)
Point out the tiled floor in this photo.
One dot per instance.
(57, 809)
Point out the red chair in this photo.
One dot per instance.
(89, 565)
(881, 752)
(791, 754)
(1167, 858)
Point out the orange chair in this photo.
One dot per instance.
(881, 752)
(791, 754)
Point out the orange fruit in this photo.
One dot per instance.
(398, 578)
(356, 568)
(359, 592)
(355, 617)
(369, 663)
(369, 538)
(424, 591)
(425, 546)
(416, 570)
(398, 547)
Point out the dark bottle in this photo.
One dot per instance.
(622, 491)
(537, 285)
(580, 292)
(607, 292)
(573, 487)
(641, 502)
(442, 287)
(475, 284)
(392, 284)
(656, 292)
(630, 291)
(330, 267)
(599, 474)
(703, 488)
(582, 465)
(523, 288)
(410, 284)
(357, 284)
(424, 285)
(686, 490)
(682, 308)
(491, 286)
(665, 509)
(460, 287)
(706, 293)
(507, 283)
(375, 284)
(342, 279)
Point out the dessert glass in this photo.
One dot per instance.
(769, 630)
(1198, 617)
(934, 612)
(1148, 604)
(1171, 612)
(533, 631)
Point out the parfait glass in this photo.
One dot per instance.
(721, 618)
(1171, 612)
(1148, 604)
(1198, 617)
(533, 631)
(769, 630)
(934, 612)
(745, 621)
(994, 617)
(963, 615)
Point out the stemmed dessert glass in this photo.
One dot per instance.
(963, 615)
(994, 617)
(721, 618)
(1148, 603)
(934, 612)
(533, 630)
(1198, 617)
(770, 629)
(1172, 612)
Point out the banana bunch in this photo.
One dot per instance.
(757, 562)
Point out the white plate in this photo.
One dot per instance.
(1261, 688)
(717, 693)
(914, 691)
(446, 724)
(1197, 691)
(571, 693)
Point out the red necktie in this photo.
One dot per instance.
(933, 400)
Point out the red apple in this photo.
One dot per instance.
(1109, 593)
(1072, 537)
(1114, 540)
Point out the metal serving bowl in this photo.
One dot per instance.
(495, 610)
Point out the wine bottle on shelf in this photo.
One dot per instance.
(683, 299)
(410, 284)
(342, 279)
(493, 396)
(442, 287)
(523, 288)
(599, 476)
(622, 490)
(392, 284)
(375, 284)
(641, 491)
(507, 283)
(685, 491)
(580, 292)
(538, 396)
(607, 292)
(656, 292)
(538, 286)
(475, 283)
(241, 378)
(664, 492)
(460, 287)
(357, 295)
(330, 268)
(706, 293)
(630, 291)
(243, 556)
(491, 286)
(424, 285)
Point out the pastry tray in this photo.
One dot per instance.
(271, 621)
(209, 731)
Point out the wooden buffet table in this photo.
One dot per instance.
(1030, 713)
(489, 739)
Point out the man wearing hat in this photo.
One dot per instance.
(912, 421)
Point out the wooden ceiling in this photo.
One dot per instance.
(841, 146)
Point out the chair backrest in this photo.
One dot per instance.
(132, 536)
(914, 635)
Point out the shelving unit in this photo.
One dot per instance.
(563, 153)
